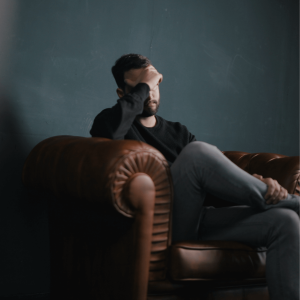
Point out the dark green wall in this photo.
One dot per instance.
(230, 75)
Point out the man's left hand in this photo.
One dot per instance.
(275, 191)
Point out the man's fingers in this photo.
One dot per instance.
(258, 176)
(283, 193)
(269, 194)
(161, 78)
(150, 67)
(273, 190)
(151, 76)
(275, 198)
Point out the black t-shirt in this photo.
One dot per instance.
(119, 122)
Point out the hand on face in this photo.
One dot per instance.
(147, 75)
(275, 191)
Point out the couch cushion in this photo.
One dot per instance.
(214, 260)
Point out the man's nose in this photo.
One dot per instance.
(150, 95)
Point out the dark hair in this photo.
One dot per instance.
(125, 63)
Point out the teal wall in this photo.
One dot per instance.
(230, 75)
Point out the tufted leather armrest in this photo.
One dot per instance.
(94, 169)
(132, 178)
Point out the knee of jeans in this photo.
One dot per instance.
(196, 152)
(198, 148)
(284, 220)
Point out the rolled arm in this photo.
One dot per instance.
(95, 169)
(98, 170)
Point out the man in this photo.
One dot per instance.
(269, 215)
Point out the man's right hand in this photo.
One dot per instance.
(147, 75)
(275, 191)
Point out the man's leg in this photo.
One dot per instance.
(277, 229)
(202, 168)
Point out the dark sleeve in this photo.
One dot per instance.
(114, 123)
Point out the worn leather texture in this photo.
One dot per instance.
(110, 205)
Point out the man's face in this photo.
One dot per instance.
(151, 104)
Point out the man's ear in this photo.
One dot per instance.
(120, 92)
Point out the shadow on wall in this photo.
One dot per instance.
(23, 216)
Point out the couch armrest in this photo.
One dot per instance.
(95, 169)
(102, 171)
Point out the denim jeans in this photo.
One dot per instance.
(202, 168)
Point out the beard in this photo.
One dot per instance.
(149, 111)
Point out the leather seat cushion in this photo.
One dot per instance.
(213, 260)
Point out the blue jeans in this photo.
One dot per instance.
(202, 168)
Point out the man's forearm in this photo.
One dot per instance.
(115, 122)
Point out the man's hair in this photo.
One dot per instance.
(125, 63)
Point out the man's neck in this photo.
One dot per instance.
(147, 121)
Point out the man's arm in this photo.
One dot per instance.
(114, 123)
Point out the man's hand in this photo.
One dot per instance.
(275, 191)
(147, 75)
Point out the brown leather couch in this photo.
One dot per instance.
(110, 216)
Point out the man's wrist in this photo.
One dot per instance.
(141, 90)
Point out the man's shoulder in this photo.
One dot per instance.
(102, 113)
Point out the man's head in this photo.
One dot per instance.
(130, 67)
